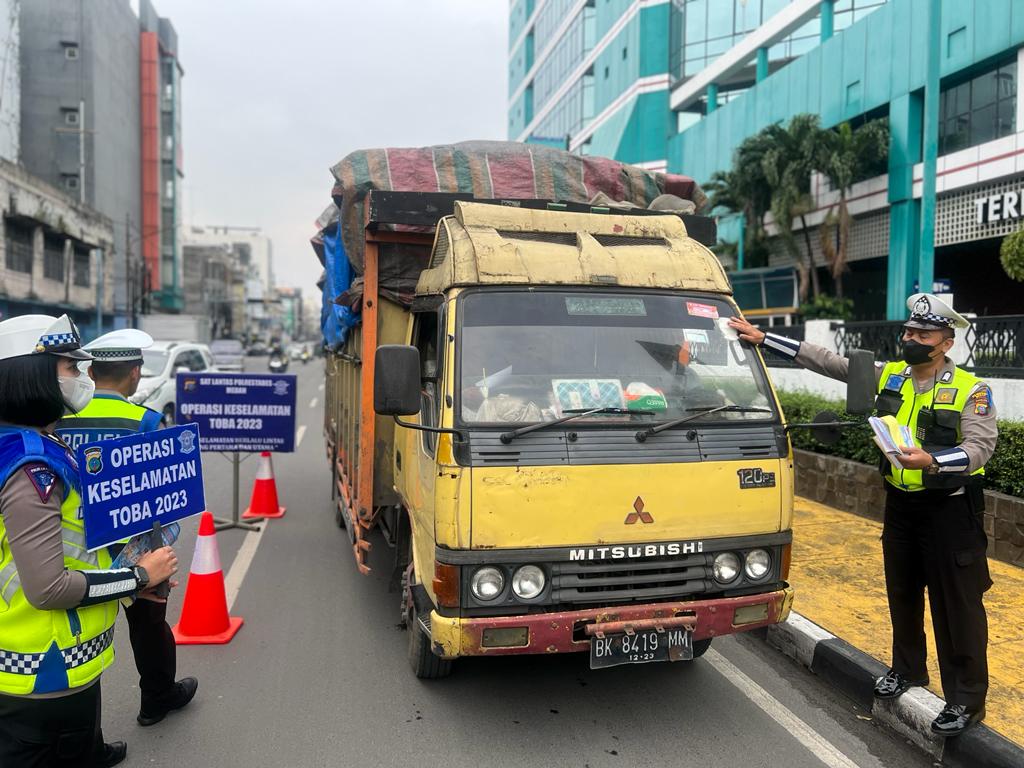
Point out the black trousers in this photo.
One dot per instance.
(936, 541)
(154, 650)
(63, 731)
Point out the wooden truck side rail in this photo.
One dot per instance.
(354, 447)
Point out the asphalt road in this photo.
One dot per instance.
(317, 676)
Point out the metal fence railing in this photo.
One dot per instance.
(995, 344)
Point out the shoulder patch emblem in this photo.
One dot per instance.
(43, 480)
(981, 399)
(894, 382)
(946, 396)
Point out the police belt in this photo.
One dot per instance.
(28, 663)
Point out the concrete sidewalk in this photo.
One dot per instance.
(839, 582)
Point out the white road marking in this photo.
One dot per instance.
(299, 433)
(246, 552)
(313, 402)
(821, 748)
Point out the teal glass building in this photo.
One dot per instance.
(678, 84)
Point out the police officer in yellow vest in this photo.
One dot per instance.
(116, 369)
(58, 601)
(933, 534)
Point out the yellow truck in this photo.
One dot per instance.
(563, 441)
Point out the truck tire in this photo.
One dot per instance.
(425, 664)
(168, 417)
(700, 647)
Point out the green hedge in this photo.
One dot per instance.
(1004, 471)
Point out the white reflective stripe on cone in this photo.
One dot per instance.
(266, 470)
(206, 560)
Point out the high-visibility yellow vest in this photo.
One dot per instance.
(50, 651)
(106, 416)
(941, 429)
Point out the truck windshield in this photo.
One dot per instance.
(534, 356)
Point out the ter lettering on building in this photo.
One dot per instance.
(1002, 207)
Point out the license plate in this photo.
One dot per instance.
(641, 647)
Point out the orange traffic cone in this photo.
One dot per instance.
(264, 492)
(204, 615)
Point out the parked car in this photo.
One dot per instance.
(161, 362)
(228, 355)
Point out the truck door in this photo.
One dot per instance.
(419, 449)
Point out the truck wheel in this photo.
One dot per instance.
(425, 664)
(169, 415)
(700, 647)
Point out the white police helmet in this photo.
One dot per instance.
(122, 346)
(35, 334)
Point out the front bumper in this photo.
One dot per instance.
(564, 632)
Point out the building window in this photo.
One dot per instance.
(70, 181)
(981, 109)
(18, 244)
(82, 274)
(71, 116)
(70, 51)
(53, 258)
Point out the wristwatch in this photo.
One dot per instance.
(933, 468)
(141, 576)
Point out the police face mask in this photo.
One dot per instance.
(77, 391)
(916, 353)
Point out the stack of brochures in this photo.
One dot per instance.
(889, 436)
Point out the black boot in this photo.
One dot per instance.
(181, 694)
(893, 684)
(954, 719)
(114, 753)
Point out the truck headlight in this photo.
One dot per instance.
(726, 567)
(528, 582)
(487, 583)
(759, 562)
(143, 395)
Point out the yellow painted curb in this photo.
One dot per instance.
(838, 577)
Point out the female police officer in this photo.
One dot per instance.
(58, 601)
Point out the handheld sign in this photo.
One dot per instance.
(239, 411)
(128, 483)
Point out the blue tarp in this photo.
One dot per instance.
(335, 320)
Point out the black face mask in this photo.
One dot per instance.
(915, 353)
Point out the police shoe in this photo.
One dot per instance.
(893, 684)
(114, 753)
(181, 694)
(954, 719)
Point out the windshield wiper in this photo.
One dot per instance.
(643, 434)
(574, 413)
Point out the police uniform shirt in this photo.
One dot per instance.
(977, 420)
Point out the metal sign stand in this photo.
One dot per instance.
(219, 523)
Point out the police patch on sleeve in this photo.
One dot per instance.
(981, 400)
(43, 480)
(894, 383)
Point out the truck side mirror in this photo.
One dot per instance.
(860, 382)
(396, 380)
(825, 429)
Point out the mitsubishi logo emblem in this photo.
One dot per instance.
(638, 513)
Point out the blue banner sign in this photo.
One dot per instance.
(128, 483)
(239, 411)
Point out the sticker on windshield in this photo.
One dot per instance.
(605, 306)
(701, 310)
(695, 335)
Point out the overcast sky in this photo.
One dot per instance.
(276, 92)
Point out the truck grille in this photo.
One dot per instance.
(607, 581)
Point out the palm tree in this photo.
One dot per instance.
(845, 157)
(787, 165)
(744, 189)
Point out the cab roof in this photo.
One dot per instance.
(502, 245)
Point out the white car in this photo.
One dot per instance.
(160, 365)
